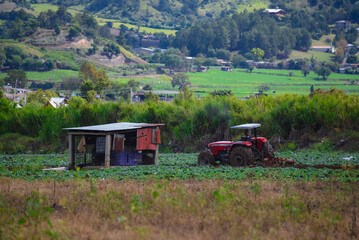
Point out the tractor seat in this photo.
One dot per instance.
(246, 138)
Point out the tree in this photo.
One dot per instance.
(75, 102)
(323, 71)
(151, 97)
(104, 31)
(2, 58)
(147, 87)
(257, 54)
(40, 97)
(173, 61)
(339, 53)
(133, 84)
(74, 32)
(223, 54)
(71, 83)
(305, 69)
(16, 78)
(312, 88)
(263, 87)
(222, 93)
(250, 68)
(86, 87)
(239, 61)
(303, 40)
(164, 5)
(98, 77)
(57, 29)
(352, 59)
(181, 80)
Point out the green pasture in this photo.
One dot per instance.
(44, 7)
(27, 48)
(320, 56)
(250, 6)
(54, 76)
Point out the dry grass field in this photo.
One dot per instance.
(190, 209)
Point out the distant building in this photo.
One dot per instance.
(150, 41)
(329, 49)
(226, 69)
(143, 50)
(165, 95)
(222, 62)
(202, 69)
(57, 102)
(15, 94)
(274, 12)
(343, 24)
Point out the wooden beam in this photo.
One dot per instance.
(71, 151)
(108, 151)
(156, 156)
(88, 133)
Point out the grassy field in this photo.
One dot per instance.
(27, 49)
(192, 209)
(249, 6)
(320, 56)
(44, 7)
(54, 76)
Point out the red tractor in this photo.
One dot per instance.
(247, 151)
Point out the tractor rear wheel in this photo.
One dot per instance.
(205, 158)
(241, 156)
(267, 150)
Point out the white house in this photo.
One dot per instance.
(57, 102)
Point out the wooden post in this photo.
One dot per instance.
(108, 151)
(71, 151)
(156, 156)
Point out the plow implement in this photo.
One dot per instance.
(277, 162)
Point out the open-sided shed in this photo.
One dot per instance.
(114, 144)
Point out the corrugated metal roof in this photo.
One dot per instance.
(114, 127)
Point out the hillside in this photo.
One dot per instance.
(170, 14)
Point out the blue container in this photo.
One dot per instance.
(128, 158)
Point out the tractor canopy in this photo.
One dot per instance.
(247, 126)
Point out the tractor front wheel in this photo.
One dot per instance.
(241, 156)
(205, 158)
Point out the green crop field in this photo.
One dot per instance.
(184, 166)
(55, 75)
(241, 82)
